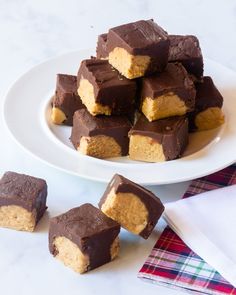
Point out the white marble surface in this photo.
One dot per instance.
(34, 30)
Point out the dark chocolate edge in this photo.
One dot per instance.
(80, 242)
(152, 221)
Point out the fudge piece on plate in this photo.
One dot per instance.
(131, 205)
(101, 49)
(186, 49)
(100, 136)
(166, 94)
(66, 100)
(158, 141)
(84, 238)
(209, 101)
(138, 49)
(103, 90)
(22, 201)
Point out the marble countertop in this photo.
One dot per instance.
(33, 31)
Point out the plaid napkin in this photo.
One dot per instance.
(172, 264)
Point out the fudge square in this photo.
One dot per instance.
(131, 205)
(103, 90)
(100, 136)
(138, 49)
(101, 49)
(166, 94)
(22, 201)
(84, 238)
(186, 49)
(158, 141)
(208, 113)
(66, 100)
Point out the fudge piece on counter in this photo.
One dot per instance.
(103, 90)
(84, 238)
(101, 49)
(138, 49)
(66, 100)
(22, 201)
(131, 205)
(209, 101)
(166, 94)
(100, 136)
(158, 141)
(186, 49)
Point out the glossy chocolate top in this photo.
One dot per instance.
(84, 124)
(102, 73)
(101, 49)
(66, 97)
(207, 95)
(183, 47)
(138, 38)
(91, 230)
(152, 203)
(66, 84)
(110, 88)
(174, 79)
(171, 133)
(23, 190)
(186, 49)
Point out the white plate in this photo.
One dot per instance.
(27, 109)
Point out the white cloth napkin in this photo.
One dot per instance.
(207, 224)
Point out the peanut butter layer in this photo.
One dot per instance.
(84, 230)
(137, 49)
(22, 200)
(166, 94)
(100, 136)
(103, 90)
(131, 205)
(209, 101)
(66, 100)
(161, 140)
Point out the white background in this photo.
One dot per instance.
(32, 31)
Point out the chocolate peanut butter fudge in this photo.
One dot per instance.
(138, 49)
(209, 101)
(103, 90)
(131, 205)
(84, 238)
(66, 100)
(166, 94)
(100, 136)
(101, 49)
(186, 49)
(158, 141)
(22, 201)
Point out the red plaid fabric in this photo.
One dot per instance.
(172, 264)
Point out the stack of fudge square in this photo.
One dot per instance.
(141, 96)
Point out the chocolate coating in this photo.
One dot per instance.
(152, 203)
(143, 37)
(138, 38)
(101, 49)
(186, 49)
(171, 133)
(84, 124)
(66, 97)
(91, 230)
(110, 88)
(174, 79)
(25, 191)
(207, 96)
